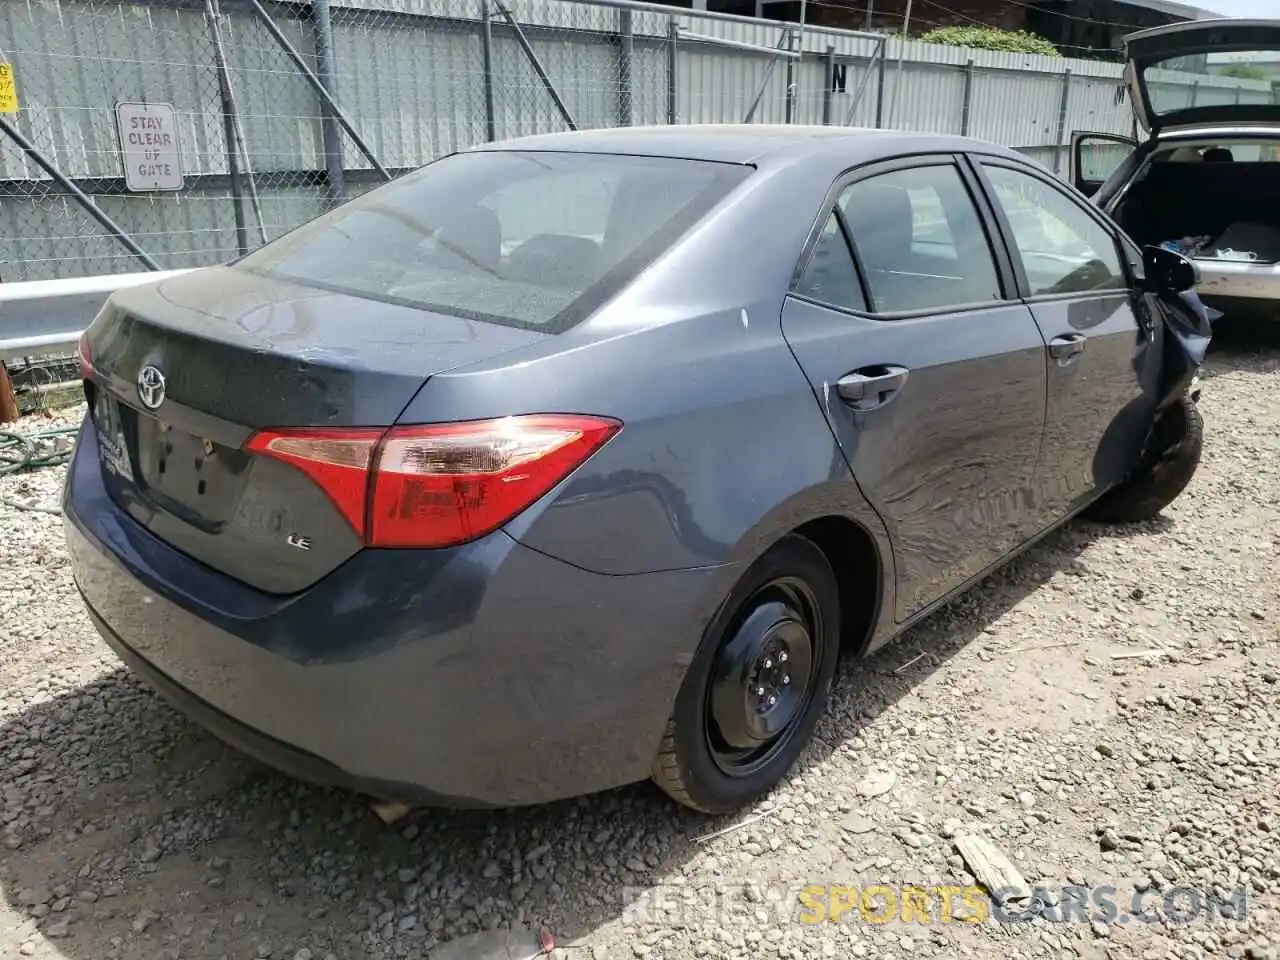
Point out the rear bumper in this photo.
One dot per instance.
(275, 753)
(1240, 284)
(487, 675)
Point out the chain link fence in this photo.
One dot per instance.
(184, 125)
(179, 133)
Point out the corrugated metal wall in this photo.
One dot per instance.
(411, 75)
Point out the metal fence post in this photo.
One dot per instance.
(292, 53)
(330, 131)
(230, 140)
(1062, 121)
(881, 51)
(91, 208)
(626, 63)
(902, 57)
(828, 89)
(790, 112)
(966, 106)
(486, 50)
(237, 145)
(673, 49)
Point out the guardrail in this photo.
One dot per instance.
(43, 317)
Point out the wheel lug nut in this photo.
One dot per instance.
(759, 691)
(782, 657)
(786, 678)
(768, 664)
(772, 701)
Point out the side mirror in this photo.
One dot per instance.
(1166, 271)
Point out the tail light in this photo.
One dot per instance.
(336, 460)
(86, 360)
(441, 484)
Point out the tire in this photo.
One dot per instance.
(1164, 471)
(788, 603)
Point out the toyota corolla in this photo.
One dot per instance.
(575, 460)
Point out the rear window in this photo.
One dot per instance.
(527, 239)
(1237, 77)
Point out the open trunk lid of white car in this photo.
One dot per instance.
(1205, 72)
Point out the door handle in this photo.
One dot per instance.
(871, 387)
(1068, 346)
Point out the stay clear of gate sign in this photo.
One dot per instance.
(8, 89)
(149, 146)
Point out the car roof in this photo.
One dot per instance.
(756, 144)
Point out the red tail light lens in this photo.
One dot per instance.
(86, 361)
(337, 460)
(442, 484)
(449, 483)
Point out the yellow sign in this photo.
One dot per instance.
(8, 89)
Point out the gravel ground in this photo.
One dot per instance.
(1105, 711)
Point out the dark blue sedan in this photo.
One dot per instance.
(574, 460)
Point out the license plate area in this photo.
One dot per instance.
(189, 476)
(181, 469)
(113, 448)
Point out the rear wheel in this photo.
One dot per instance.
(1166, 468)
(758, 684)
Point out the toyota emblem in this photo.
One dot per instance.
(150, 387)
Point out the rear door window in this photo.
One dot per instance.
(528, 239)
(831, 277)
(920, 240)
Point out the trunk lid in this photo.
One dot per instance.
(186, 370)
(1220, 71)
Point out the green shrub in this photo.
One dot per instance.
(989, 38)
(1245, 71)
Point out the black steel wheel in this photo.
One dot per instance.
(763, 677)
(758, 685)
